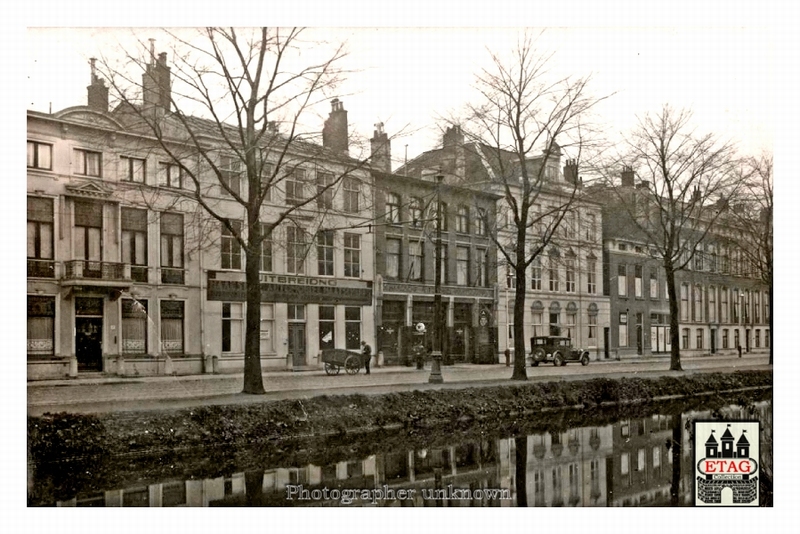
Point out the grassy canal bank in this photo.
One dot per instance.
(69, 454)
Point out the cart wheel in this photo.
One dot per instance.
(331, 369)
(558, 359)
(352, 365)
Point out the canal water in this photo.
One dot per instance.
(638, 457)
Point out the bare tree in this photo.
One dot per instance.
(233, 106)
(674, 208)
(752, 215)
(520, 115)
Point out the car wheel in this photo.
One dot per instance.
(538, 356)
(558, 359)
(585, 359)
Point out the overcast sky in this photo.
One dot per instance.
(409, 78)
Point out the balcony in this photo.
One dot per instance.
(96, 274)
(170, 275)
(41, 268)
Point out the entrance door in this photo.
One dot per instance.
(297, 343)
(747, 340)
(605, 342)
(89, 343)
(458, 347)
(713, 341)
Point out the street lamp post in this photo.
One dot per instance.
(436, 356)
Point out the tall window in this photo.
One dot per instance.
(40, 237)
(295, 250)
(266, 248)
(295, 186)
(623, 329)
(415, 260)
(267, 169)
(653, 285)
(462, 219)
(352, 255)
(462, 266)
(536, 273)
(41, 326)
(267, 329)
(766, 307)
(324, 190)
(172, 248)
(350, 189)
(327, 334)
(352, 327)
(697, 304)
(325, 253)
(735, 306)
(591, 275)
(480, 222)
(133, 169)
(134, 326)
(684, 302)
(552, 272)
(724, 338)
(482, 268)
(170, 175)
(392, 208)
(232, 327)
(699, 343)
(592, 325)
(698, 259)
(622, 281)
(87, 163)
(231, 172)
(758, 338)
(230, 249)
(736, 341)
(88, 232)
(40, 155)
(712, 304)
(756, 307)
(415, 212)
(172, 326)
(637, 281)
(570, 271)
(723, 305)
(537, 323)
(393, 268)
(591, 227)
(134, 242)
(685, 338)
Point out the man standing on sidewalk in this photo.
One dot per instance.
(366, 350)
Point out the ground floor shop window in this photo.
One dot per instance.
(232, 327)
(41, 326)
(267, 330)
(172, 326)
(134, 326)
(352, 327)
(327, 322)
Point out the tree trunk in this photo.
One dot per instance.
(253, 381)
(674, 311)
(521, 470)
(519, 324)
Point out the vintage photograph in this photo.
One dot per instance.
(399, 266)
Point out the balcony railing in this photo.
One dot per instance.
(41, 268)
(139, 273)
(96, 270)
(170, 275)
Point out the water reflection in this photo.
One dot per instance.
(645, 461)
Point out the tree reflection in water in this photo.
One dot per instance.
(622, 462)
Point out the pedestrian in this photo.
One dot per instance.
(366, 351)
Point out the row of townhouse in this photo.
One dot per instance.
(126, 275)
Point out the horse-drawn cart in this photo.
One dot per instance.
(335, 359)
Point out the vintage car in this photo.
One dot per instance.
(556, 349)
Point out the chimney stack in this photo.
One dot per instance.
(381, 149)
(571, 171)
(334, 131)
(696, 195)
(156, 82)
(627, 176)
(453, 137)
(97, 92)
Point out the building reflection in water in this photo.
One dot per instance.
(628, 463)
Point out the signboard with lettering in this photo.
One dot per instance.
(297, 291)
